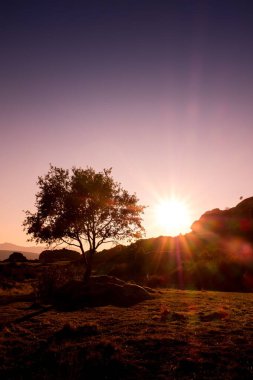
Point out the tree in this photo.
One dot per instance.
(83, 207)
(17, 257)
(50, 256)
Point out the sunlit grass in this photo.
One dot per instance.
(179, 334)
(17, 288)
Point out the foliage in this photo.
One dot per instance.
(83, 207)
(202, 259)
(17, 257)
(49, 256)
(51, 279)
(189, 262)
(217, 254)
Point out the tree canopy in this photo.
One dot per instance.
(83, 208)
(17, 257)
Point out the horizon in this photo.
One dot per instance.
(161, 92)
(43, 246)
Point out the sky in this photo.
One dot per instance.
(161, 91)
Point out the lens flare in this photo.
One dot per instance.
(173, 216)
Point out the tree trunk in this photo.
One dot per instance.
(87, 274)
(88, 269)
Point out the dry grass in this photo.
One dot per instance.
(17, 288)
(178, 335)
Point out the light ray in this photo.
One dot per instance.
(173, 215)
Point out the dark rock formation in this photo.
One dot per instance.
(236, 221)
(101, 291)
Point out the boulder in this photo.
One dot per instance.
(101, 291)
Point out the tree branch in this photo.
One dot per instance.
(66, 242)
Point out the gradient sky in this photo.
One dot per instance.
(161, 91)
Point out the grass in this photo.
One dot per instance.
(178, 335)
(17, 288)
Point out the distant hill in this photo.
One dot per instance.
(31, 253)
(4, 254)
(236, 221)
(217, 254)
(14, 247)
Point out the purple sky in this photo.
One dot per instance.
(161, 91)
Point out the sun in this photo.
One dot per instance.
(173, 216)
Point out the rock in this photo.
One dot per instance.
(235, 221)
(104, 279)
(130, 294)
(101, 291)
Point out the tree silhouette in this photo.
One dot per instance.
(83, 207)
(17, 257)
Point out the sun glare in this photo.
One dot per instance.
(173, 216)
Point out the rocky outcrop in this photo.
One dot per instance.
(236, 221)
(101, 291)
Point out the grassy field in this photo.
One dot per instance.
(177, 335)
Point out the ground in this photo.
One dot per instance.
(176, 335)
